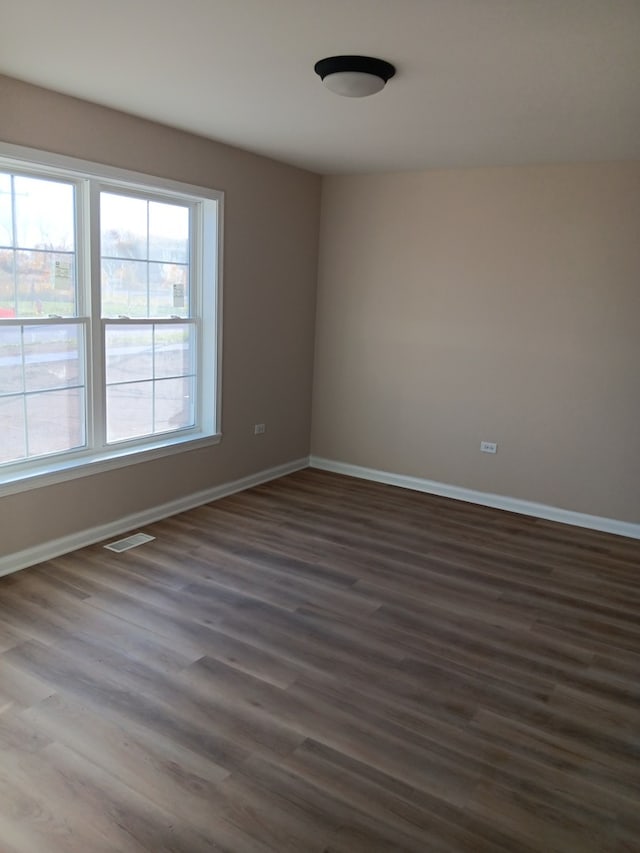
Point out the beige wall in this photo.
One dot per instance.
(271, 233)
(496, 304)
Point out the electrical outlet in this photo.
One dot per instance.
(259, 429)
(488, 447)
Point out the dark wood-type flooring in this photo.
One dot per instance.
(325, 665)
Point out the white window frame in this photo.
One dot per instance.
(206, 263)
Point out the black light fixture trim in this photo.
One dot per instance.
(363, 64)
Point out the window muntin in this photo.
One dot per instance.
(138, 373)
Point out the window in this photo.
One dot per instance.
(109, 315)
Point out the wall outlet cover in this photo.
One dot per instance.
(488, 447)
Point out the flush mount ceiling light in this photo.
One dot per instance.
(354, 76)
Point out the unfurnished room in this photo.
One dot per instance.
(320, 426)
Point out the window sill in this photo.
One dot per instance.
(51, 471)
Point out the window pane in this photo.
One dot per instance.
(11, 376)
(168, 233)
(174, 404)
(129, 411)
(13, 444)
(123, 226)
(46, 284)
(55, 421)
(145, 257)
(54, 357)
(7, 284)
(164, 356)
(129, 353)
(34, 359)
(45, 216)
(6, 228)
(124, 288)
(168, 290)
(174, 350)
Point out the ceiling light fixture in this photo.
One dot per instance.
(354, 76)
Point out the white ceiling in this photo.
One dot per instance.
(479, 82)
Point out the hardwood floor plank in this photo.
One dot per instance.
(325, 665)
(115, 811)
(377, 799)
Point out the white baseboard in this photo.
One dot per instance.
(550, 513)
(56, 547)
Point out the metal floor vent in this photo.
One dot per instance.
(129, 542)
